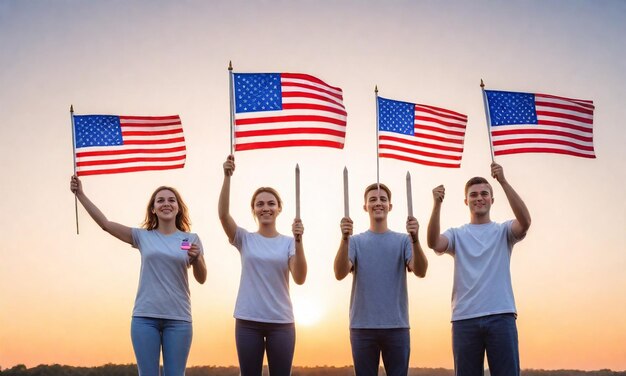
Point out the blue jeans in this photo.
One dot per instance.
(150, 335)
(495, 334)
(368, 344)
(253, 338)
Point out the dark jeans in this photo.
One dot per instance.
(495, 334)
(368, 344)
(253, 338)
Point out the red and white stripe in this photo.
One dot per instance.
(150, 143)
(438, 139)
(313, 114)
(565, 126)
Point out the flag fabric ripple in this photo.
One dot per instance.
(419, 133)
(275, 110)
(540, 123)
(109, 144)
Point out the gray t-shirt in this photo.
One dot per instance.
(163, 283)
(482, 274)
(379, 298)
(264, 286)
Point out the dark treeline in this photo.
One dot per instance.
(131, 370)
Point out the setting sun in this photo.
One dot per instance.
(307, 312)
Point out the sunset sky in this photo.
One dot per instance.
(67, 298)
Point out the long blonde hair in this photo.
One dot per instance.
(151, 221)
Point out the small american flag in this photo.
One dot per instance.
(109, 144)
(419, 133)
(275, 110)
(540, 123)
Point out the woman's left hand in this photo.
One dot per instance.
(193, 253)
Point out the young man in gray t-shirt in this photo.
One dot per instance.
(378, 260)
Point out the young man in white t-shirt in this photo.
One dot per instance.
(483, 306)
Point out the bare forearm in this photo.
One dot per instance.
(342, 261)
(434, 228)
(223, 205)
(419, 261)
(117, 230)
(199, 269)
(520, 211)
(93, 211)
(299, 266)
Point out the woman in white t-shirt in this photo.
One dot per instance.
(162, 313)
(263, 312)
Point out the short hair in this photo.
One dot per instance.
(151, 221)
(269, 190)
(477, 180)
(371, 187)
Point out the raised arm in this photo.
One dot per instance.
(297, 263)
(228, 223)
(121, 232)
(343, 265)
(435, 240)
(521, 223)
(419, 263)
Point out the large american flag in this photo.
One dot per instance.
(109, 144)
(540, 123)
(275, 110)
(419, 133)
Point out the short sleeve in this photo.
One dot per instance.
(449, 234)
(408, 248)
(352, 250)
(135, 233)
(509, 233)
(240, 234)
(291, 246)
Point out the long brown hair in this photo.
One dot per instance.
(151, 221)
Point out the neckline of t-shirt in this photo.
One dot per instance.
(268, 237)
(481, 224)
(168, 235)
(380, 233)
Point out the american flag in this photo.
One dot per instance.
(540, 123)
(110, 144)
(275, 110)
(419, 133)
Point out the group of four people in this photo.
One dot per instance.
(483, 307)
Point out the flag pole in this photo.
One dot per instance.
(346, 197)
(298, 237)
(230, 93)
(377, 157)
(74, 157)
(487, 116)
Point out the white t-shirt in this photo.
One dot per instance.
(163, 283)
(482, 273)
(264, 286)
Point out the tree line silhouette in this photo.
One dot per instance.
(131, 370)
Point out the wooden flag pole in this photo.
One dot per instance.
(409, 194)
(74, 158)
(409, 201)
(377, 153)
(232, 105)
(487, 116)
(297, 197)
(346, 196)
